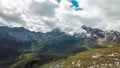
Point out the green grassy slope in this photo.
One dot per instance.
(24, 62)
(106, 57)
(97, 58)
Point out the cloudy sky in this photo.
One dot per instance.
(68, 15)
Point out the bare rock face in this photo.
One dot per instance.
(113, 36)
(110, 36)
(94, 32)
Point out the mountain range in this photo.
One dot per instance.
(18, 44)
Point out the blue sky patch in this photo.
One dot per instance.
(78, 8)
(75, 5)
(58, 1)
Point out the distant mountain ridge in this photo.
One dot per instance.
(21, 33)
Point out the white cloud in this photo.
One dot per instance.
(105, 10)
(40, 1)
(45, 8)
(44, 15)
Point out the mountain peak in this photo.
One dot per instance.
(94, 31)
(56, 30)
(20, 29)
